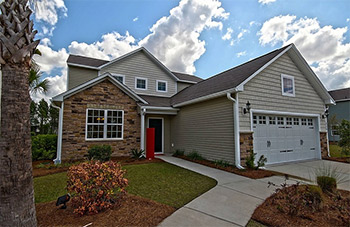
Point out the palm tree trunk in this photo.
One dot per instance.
(16, 182)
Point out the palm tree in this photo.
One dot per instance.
(17, 47)
(35, 85)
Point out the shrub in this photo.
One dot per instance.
(179, 153)
(344, 132)
(95, 186)
(313, 197)
(222, 163)
(44, 147)
(327, 184)
(100, 152)
(137, 154)
(327, 177)
(250, 162)
(194, 155)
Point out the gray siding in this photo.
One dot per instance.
(264, 92)
(77, 76)
(181, 86)
(139, 65)
(206, 127)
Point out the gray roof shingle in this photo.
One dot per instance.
(225, 80)
(188, 77)
(156, 101)
(340, 94)
(81, 60)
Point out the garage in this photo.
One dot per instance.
(285, 138)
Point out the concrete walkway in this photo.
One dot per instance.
(230, 203)
(307, 170)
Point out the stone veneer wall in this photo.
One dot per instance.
(324, 147)
(246, 145)
(103, 95)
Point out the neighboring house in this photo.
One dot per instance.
(339, 112)
(113, 102)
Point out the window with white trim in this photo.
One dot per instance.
(262, 120)
(288, 88)
(280, 120)
(310, 122)
(272, 120)
(289, 121)
(295, 121)
(104, 124)
(303, 121)
(141, 83)
(120, 78)
(161, 86)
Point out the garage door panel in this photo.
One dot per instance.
(284, 138)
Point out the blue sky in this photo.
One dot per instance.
(199, 37)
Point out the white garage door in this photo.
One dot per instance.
(285, 138)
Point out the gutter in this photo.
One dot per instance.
(236, 129)
(57, 160)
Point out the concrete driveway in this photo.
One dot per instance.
(307, 170)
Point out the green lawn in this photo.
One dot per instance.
(161, 182)
(335, 151)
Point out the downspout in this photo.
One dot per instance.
(236, 130)
(143, 112)
(57, 160)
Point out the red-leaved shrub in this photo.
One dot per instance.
(95, 185)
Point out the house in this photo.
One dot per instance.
(272, 104)
(339, 112)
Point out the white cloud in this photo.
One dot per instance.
(50, 59)
(241, 33)
(174, 39)
(228, 34)
(240, 54)
(264, 2)
(49, 10)
(323, 46)
(347, 19)
(48, 31)
(135, 19)
(112, 45)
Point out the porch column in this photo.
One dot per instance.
(143, 113)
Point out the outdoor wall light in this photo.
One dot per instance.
(247, 108)
(326, 113)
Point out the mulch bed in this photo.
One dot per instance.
(38, 172)
(130, 211)
(340, 159)
(276, 210)
(251, 173)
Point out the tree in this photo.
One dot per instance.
(33, 117)
(344, 132)
(54, 114)
(17, 47)
(43, 116)
(35, 84)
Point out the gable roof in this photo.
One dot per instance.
(156, 101)
(226, 80)
(183, 77)
(90, 83)
(85, 61)
(234, 79)
(98, 64)
(340, 94)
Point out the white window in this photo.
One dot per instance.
(120, 78)
(162, 86)
(280, 120)
(296, 121)
(262, 120)
(272, 120)
(334, 131)
(255, 120)
(310, 122)
(303, 121)
(289, 121)
(104, 124)
(288, 88)
(141, 83)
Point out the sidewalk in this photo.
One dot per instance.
(230, 203)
